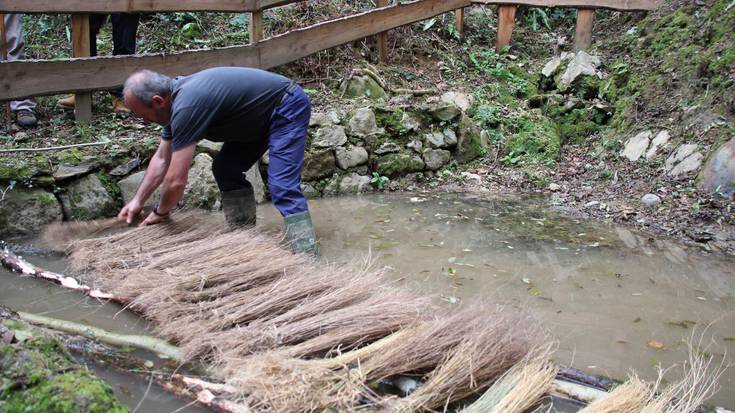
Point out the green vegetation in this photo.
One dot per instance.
(37, 376)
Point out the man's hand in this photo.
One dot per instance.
(154, 218)
(130, 211)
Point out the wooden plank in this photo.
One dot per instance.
(299, 43)
(383, 37)
(591, 4)
(459, 20)
(506, 22)
(256, 27)
(48, 77)
(80, 48)
(44, 77)
(133, 6)
(583, 33)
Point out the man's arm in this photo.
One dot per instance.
(157, 168)
(174, 183)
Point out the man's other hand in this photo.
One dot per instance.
(130, 211)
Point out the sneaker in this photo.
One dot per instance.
(66, 103)
(118, 105)
(25, 118)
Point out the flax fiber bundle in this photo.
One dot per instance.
(297, 335)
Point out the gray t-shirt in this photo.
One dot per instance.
(223, 104)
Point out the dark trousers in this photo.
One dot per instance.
(124, 30)
(285, 142)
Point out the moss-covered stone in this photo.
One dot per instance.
(535, 140)
(470, 144)
(395, 164)
(364, 86)
(37, 376)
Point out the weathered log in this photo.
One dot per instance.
(153, 344)
(18, 264)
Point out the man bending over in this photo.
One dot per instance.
(251, 111)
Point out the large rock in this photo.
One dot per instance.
(201, 189)
(660, 141)
(471, 143)
(330, 137)
(363, 123)
(685, 159)
(128, 186)
(209, 147)
(318, 164)
(125, 168)
(582, 64)
(719, 171)
(351, 156)
(444, 111)
(436, 158)
(636, 146)
(67, 171)
(364, 86)
(354, 184)
(410, 122)
(256, 180)
(26, 211)
(395, 164)
(388, 147)
(461, 100)
(88, 198)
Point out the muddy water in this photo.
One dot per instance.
(608, 295)
(41, 297)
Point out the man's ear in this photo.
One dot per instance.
(158, 101)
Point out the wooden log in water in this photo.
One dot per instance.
(17, 264)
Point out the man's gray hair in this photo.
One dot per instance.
(144, 84)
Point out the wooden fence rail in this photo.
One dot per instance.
(82, 75)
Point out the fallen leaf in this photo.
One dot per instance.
(656, 345)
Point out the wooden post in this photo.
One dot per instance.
(583, 34)
(383, 37)
(80, 48)
(506, 22)
(256, 26)
(459, 16)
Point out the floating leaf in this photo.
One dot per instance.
(656, 345)
(682, 323)
(526, 280)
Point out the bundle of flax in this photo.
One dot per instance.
(293, 334)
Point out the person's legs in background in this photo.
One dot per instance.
(124, 32)
(23, 110)
(287, 140)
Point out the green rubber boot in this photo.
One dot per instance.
(239, 208)
(300, 233)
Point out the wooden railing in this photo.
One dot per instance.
(83, 74)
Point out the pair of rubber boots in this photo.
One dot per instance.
(239, 209)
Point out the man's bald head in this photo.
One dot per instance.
(145, 84)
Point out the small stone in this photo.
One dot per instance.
(70, 171)
(551, 67)
(591, 204)
(650, 200)
(636, 146)
(450, 137)
(410, 123)
(444, 111)
(435, 139)
(684, 159)
(416, 145)
(351, 156)
(363, 123)
(661, 140)
(461, 100)
(209, 147)
(387, 147)
(330, 137)
(126, 168)
(436, 158)
(309, 191)
(553, 187)
(354, 184)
